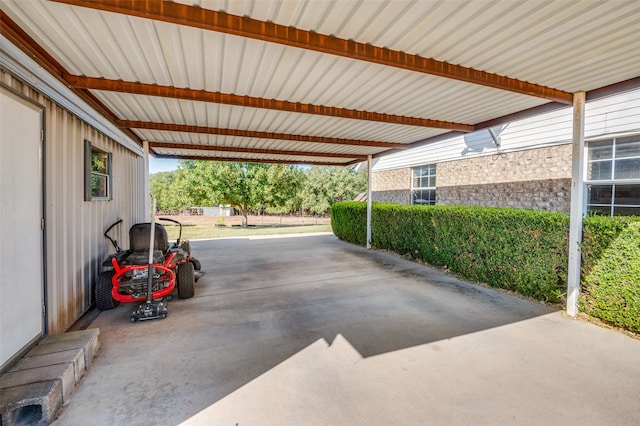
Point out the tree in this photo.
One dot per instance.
(245, 186)
(163, 188)
(327, 185)
(264, 188)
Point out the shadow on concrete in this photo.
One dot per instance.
(262, 301)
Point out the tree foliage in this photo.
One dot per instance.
(328, 185)
(257, 188)
(163, 187)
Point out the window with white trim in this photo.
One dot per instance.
(423, 186)
(98, 176)
(613, 176)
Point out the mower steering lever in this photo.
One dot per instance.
(166, 219)
(114, 242)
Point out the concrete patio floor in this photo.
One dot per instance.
(310, 330)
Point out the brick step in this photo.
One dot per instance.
(35, 388)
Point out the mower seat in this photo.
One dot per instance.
(139, 238)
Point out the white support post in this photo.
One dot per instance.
(369, 200)
(577, 204)
(146, 190)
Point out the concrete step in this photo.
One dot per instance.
(33, 391)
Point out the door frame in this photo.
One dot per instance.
(11, 92)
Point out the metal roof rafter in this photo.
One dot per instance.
(93, 83)
(186, 128)
(206, 19)
(254, 160)
(172, 145)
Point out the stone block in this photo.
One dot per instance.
(73, 356)
(87, 340)
(65, 373)
(33, 404)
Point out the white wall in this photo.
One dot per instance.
(74, 244)
(615, 114)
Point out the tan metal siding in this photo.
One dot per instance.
(75, 245)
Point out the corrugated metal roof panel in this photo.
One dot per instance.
(233, 156)
(254, 68)
(149, 108)
(570, 46)
(273, 144)
(524, 39)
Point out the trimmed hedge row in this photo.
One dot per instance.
(520, 250)
(611, 286)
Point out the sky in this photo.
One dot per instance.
(161, 165)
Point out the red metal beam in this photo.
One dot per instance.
(254, 134)
(206, 19)
(199, 147)
(252, 160)
(93, 83)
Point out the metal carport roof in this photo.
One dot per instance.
(324, 82)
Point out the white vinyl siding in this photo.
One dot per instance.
(612, 115)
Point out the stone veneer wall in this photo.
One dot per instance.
(537, 179)
(393, 186)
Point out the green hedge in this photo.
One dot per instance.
(521, 250)
(598, 233)
(611, 289)
(349, 221)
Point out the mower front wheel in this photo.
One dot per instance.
(186, 280)
(196, 263)
(104, 285)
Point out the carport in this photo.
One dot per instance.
(315, 331)
(312, 329)
(330, 82)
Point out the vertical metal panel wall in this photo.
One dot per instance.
(75, 246)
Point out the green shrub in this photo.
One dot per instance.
(598, 232)
(611, 290)
(349, 221)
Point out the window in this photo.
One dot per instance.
(613, 176)
(423, 187)
(97, 183)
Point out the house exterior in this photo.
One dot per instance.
(67, 174)
(525, 163)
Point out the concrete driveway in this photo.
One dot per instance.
(310, 330)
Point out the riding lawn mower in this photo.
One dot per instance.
(143, 275)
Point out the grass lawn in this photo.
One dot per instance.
(195, 232)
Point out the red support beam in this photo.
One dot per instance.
(206, 19)
(185, 128)
(92, 83)
(252, 160)
(171, 145)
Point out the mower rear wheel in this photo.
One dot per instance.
(186, 280)
(104, 285)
